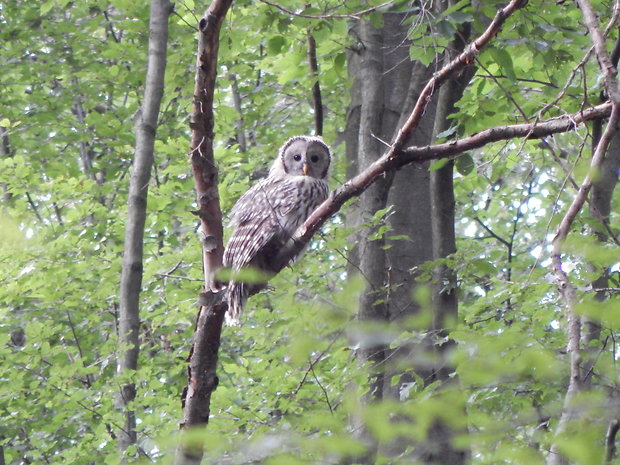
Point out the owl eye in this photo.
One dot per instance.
(296, 157)
(314, 158)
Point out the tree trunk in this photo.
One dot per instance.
(384, 75)
(131, 275)
(441, 449)
(600, 209)
(202, 379)
(5, 151)
(370, 256)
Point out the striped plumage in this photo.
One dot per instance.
(269, 213)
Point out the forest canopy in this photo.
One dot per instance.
(457, 302)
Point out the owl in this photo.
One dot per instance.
(269, 213)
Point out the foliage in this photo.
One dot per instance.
(289, 382)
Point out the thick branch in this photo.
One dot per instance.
(390, 161)
(395, 156)
(610, 440)
(461, 61)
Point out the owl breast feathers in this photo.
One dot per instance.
(269, 213)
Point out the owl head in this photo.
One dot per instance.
(303, 156)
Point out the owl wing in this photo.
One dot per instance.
(256, 218)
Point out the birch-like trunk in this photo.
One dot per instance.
(131, 275)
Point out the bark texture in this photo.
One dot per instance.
(384, 75)
(379, 113)
(368, 99)
(131, 275)
(202, 159)
(439, 448)
(201, 371)
(581, 330)
(317, 100)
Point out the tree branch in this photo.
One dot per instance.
(356, 15)
(491, 233)
(598, 40)
(566, 289)
(461, 61)
(391, 161)
(610, 440)
(201, 372)
(395, 156)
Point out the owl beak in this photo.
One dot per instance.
(306, 169)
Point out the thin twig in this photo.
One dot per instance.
(34, 208)
(356, 15)
(331, 410)
(175, 276)
(314, 362)
(490, 231)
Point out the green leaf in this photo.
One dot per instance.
(47, 6)
(438, 164)
(504, 60)
(275, 44)
(464, 164)
(446, 134)
(340, 61)
(484, 266)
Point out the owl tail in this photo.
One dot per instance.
(237, 296)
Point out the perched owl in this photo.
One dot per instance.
(269, 213)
